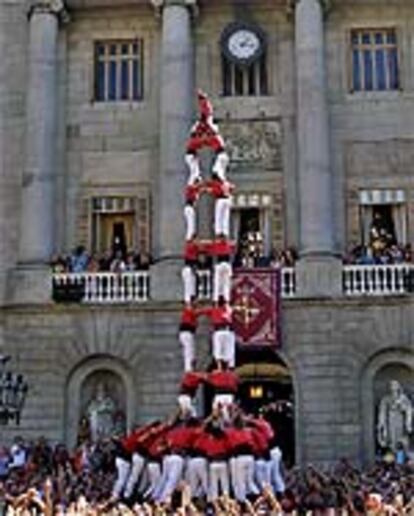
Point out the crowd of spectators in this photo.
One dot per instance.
(392, 254)
(110, 261)
(37, 478)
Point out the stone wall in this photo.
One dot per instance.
(333, 348)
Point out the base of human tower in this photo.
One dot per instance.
(224, 451)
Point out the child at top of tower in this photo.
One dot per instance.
(204, 132)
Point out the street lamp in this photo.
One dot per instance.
(13, 391)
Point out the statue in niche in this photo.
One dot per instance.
(395, 418)
(100, 413)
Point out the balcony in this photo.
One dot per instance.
(378, 280)
(102, 287)
(135, 287)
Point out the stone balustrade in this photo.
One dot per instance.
(134, 287)
(102, 287)
(377, 280)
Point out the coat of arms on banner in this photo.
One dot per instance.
(256, 307)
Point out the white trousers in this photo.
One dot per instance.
(277, 479)
(243, 471)
(220, 164)
(186, 339)
(224, 402)
(172, 474)
(223, 272)
(222, 209)
(193, 164)
(189, 283)
(197, 476)
(263, 470)
(219, 479)
(154, 477)
(138, 463)
(122, 469)
(190, 221)
(224, 346)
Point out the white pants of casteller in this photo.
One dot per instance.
(154, 477)
(123, 468)
(172, 474)
(224, 346)
(190, 221)
(263, 473)
(219, 479)
(223, 402)
(193, 164)
(223, 272)
(222, 209)
(138, 463)
(277, 479)
(186, 339)
(197, 476)
(189, 283)
(220, 165)
(244, 477)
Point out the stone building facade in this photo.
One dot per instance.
(313, 148)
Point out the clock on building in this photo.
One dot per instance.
(243, 43)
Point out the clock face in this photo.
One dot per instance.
(243, 44)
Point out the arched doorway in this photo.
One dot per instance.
(267, 386)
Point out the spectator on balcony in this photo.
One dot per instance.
(130, 263)
(407, 254)
(79, 259)
(143, 261)
(58, 264)
(118, 263)
(93, 264)
(105, 261)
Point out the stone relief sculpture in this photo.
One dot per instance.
(101, 414)
(395, 418)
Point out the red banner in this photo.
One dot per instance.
(256, 307)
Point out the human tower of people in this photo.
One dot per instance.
(229, 452)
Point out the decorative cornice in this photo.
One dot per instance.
(56, 7)
(160, 4)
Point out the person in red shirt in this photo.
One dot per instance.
(190, 383)
(223, 338)
(179, 440)
(215, 446)
(186, 334)
(222, 250)
(221, 190)
(133, 443)
(224, 383)
(262, 435)
(242, 464)
(155, 448)
(204, 132)
(188, 274)
(192, 194)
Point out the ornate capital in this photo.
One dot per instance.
(56, 7)
(291, 4)
(160, 4)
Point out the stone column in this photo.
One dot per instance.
(315, 274)
(39, 175)
(177, 93)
